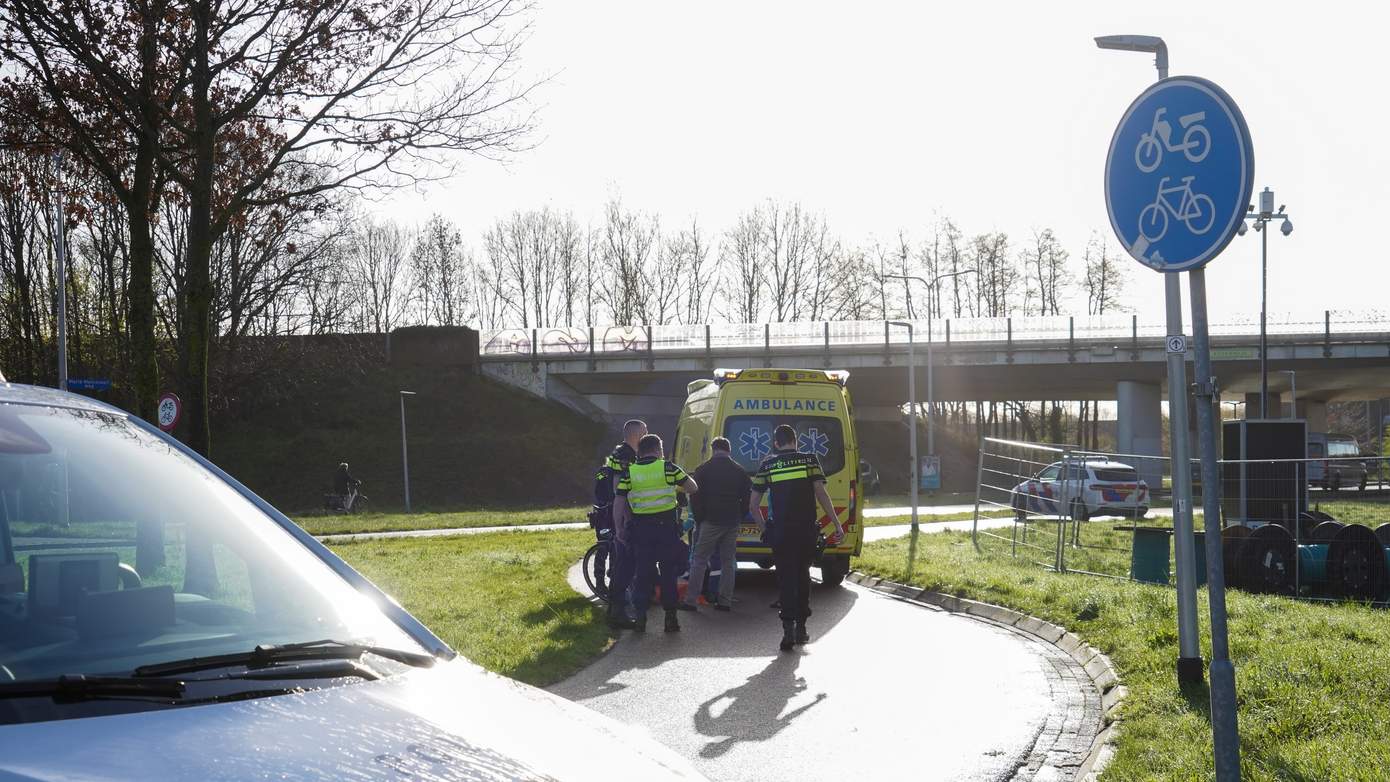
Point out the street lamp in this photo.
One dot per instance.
(1293, 392)
(1234, 407)
(1261, 220)
(912, 433)
(405, 455)
(931, 401)
(1139, 43)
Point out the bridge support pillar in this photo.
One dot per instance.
(1139, 427)
(1314, 411)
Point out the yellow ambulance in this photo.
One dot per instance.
(745, 405)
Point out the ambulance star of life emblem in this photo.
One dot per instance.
(813, 441)
(754, 443)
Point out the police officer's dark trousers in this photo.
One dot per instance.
(656, 550)
(620, 568)
(793, 546)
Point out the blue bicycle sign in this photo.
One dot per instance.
(1179, 174)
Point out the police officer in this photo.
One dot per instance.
(796, 483)
(647, 517)
(620, 563)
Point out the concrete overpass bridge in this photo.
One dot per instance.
(613, 373)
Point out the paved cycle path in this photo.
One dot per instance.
(886, 690)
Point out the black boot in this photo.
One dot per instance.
(617, 618)
(640, 623)
(788, 635)
(672, 626)
(801, 635)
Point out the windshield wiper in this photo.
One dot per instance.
(267, 655)
(79, 687)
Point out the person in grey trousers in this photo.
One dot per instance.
(719, 506)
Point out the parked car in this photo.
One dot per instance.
(1335, 462)
(868, 478)
(1084, 489)
(160, 621)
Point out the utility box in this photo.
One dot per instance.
(1255, 490)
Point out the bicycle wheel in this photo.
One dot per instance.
(596, 583)
(1201, 214)
(1153, 222)
(1148, 154)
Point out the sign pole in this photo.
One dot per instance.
(1224, 722)
(912, 443)
(1189, 650)
(61, 267)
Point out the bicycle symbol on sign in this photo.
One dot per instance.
(1196, 141)
(1196, 210)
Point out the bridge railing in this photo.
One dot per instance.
(721, 337)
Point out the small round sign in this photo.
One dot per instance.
(1179, 174)
(169, 409)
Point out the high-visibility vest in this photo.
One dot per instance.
(649, 492)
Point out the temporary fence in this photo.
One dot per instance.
(1313, 528)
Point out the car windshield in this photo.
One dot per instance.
(751, 439)
(117, 551)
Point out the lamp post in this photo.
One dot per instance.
(931, 400)
(405, 455)
(912, 434)
(1261, 221)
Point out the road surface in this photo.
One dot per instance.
(886, 690)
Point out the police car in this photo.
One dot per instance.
(160, 621)
(1083, 489)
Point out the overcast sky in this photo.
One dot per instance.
(878, 115)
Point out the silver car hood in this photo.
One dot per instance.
(450, 723)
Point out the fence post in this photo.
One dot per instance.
(1070, 518)
(709, 352)
(651, 355)
(1327, 333)
(948, 333)
(593, 358)
(827, 344)
(1071, 338)
(767, 344)
(1134, 338)
(979, 483)
(887, 355)
(535, 351)
(1009, 344)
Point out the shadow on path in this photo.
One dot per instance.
(755, 708)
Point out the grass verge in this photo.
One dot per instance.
(924, 517)
(500, 599)
(391, 522)
(1312, 693)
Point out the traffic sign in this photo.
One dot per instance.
(169, 409)
(1177, 343)
(75, 384)
(1179, 174)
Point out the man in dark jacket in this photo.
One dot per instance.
(719, 506)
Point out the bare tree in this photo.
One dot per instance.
(379, 259)
(442, 273)
(740, 254)
(690, 254)
(628, 242)
(1046, 262)
(1105, 279)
